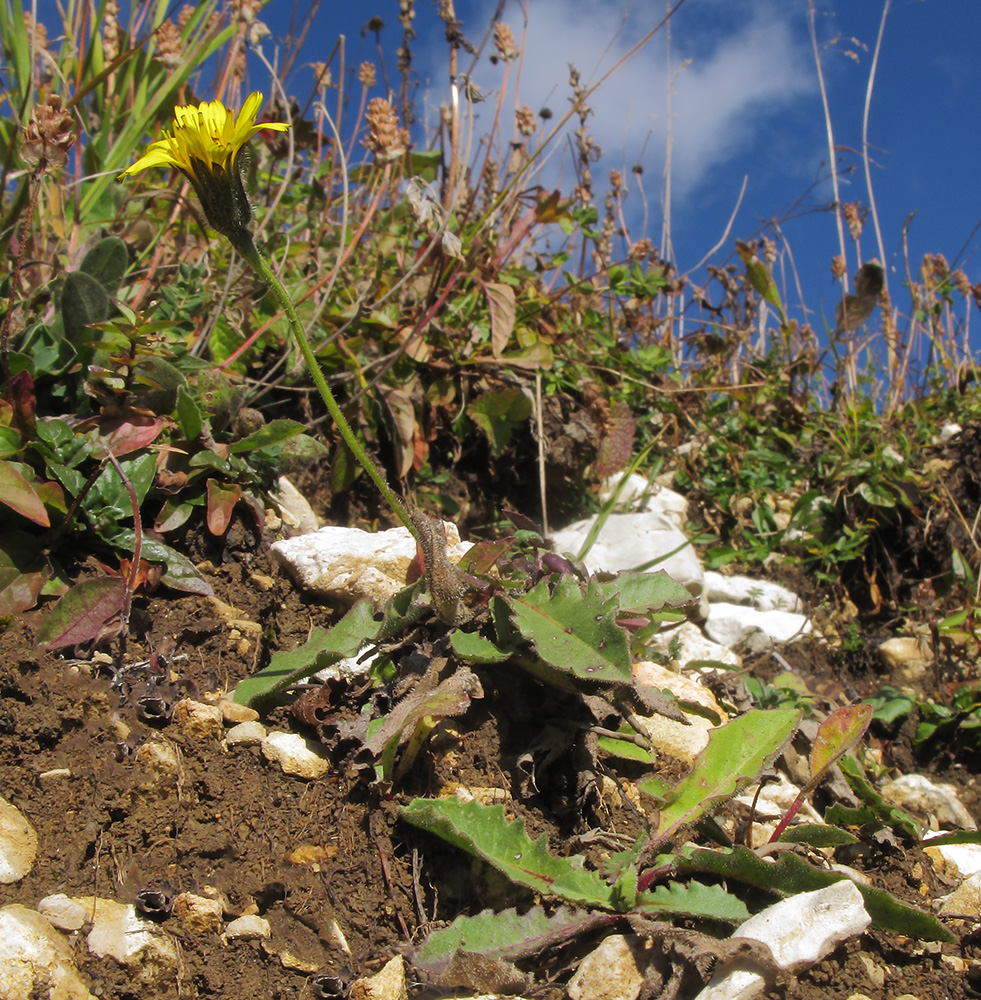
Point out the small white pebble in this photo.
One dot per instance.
(246, 734)
(248, 928)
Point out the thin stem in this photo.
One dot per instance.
(246, 247)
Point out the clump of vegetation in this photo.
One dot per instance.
(404, 304)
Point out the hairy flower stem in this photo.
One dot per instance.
(246, 247)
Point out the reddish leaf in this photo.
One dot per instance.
(16, 492)
(221, 504)
(83, 613)
(23, 572)
(841, 730)
(129, 431)
(20, 392)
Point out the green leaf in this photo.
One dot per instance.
(498, 414)
(790, 874)
(181, 573)
(572, 631)
(709, 902)
(483, 832)
(83, 301)
(881, 811)
(324, 647)
(275, 432)
(736, 755)
(817, 835)
(107, 262)
(646, 592)
(507, 935)
(474, 648)
(188, 415)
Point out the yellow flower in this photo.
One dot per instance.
(205, 145)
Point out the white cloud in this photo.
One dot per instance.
(735, 65)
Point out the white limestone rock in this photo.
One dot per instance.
(686, 643)
(198, 720)
(250, 927)
(198, 914)
(295, 755)
(747, 630)
(907, 660)
(640, 495)
(246, 734)
(948, 432)
(119, 933)
(932, 800)
(760, 594)
(610, 972)
(965, 900)
(389, 984)
(799, 930)
(346, 564)
(62, 912)
(953, 860)
(775, 800)
(36, 960)
(18, 843)
(628, 541)
(667, 736)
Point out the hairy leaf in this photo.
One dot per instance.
(791, 874)
(505, 935)
(324, 647)
(875, 805)
(736, 755)
(475, 648)
(710, 902)
(484, 832)
(572, 631)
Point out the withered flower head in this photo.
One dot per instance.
(384, 139)
(504, 41)
(49, 135)
(366, 74)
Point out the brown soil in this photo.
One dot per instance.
(228, 821)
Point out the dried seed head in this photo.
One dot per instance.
(321, 75)
(184, 15)
(170, 49)
(853, 218)
(49, 135)
(961, 283)
(616, 182)
(384, 139)
(504, 41)
(640, 250)
(110, 31)
(837, 267)
(524, 119)
(366, 74)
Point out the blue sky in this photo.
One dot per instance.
(746, 103)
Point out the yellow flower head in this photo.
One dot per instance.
(205, 145)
